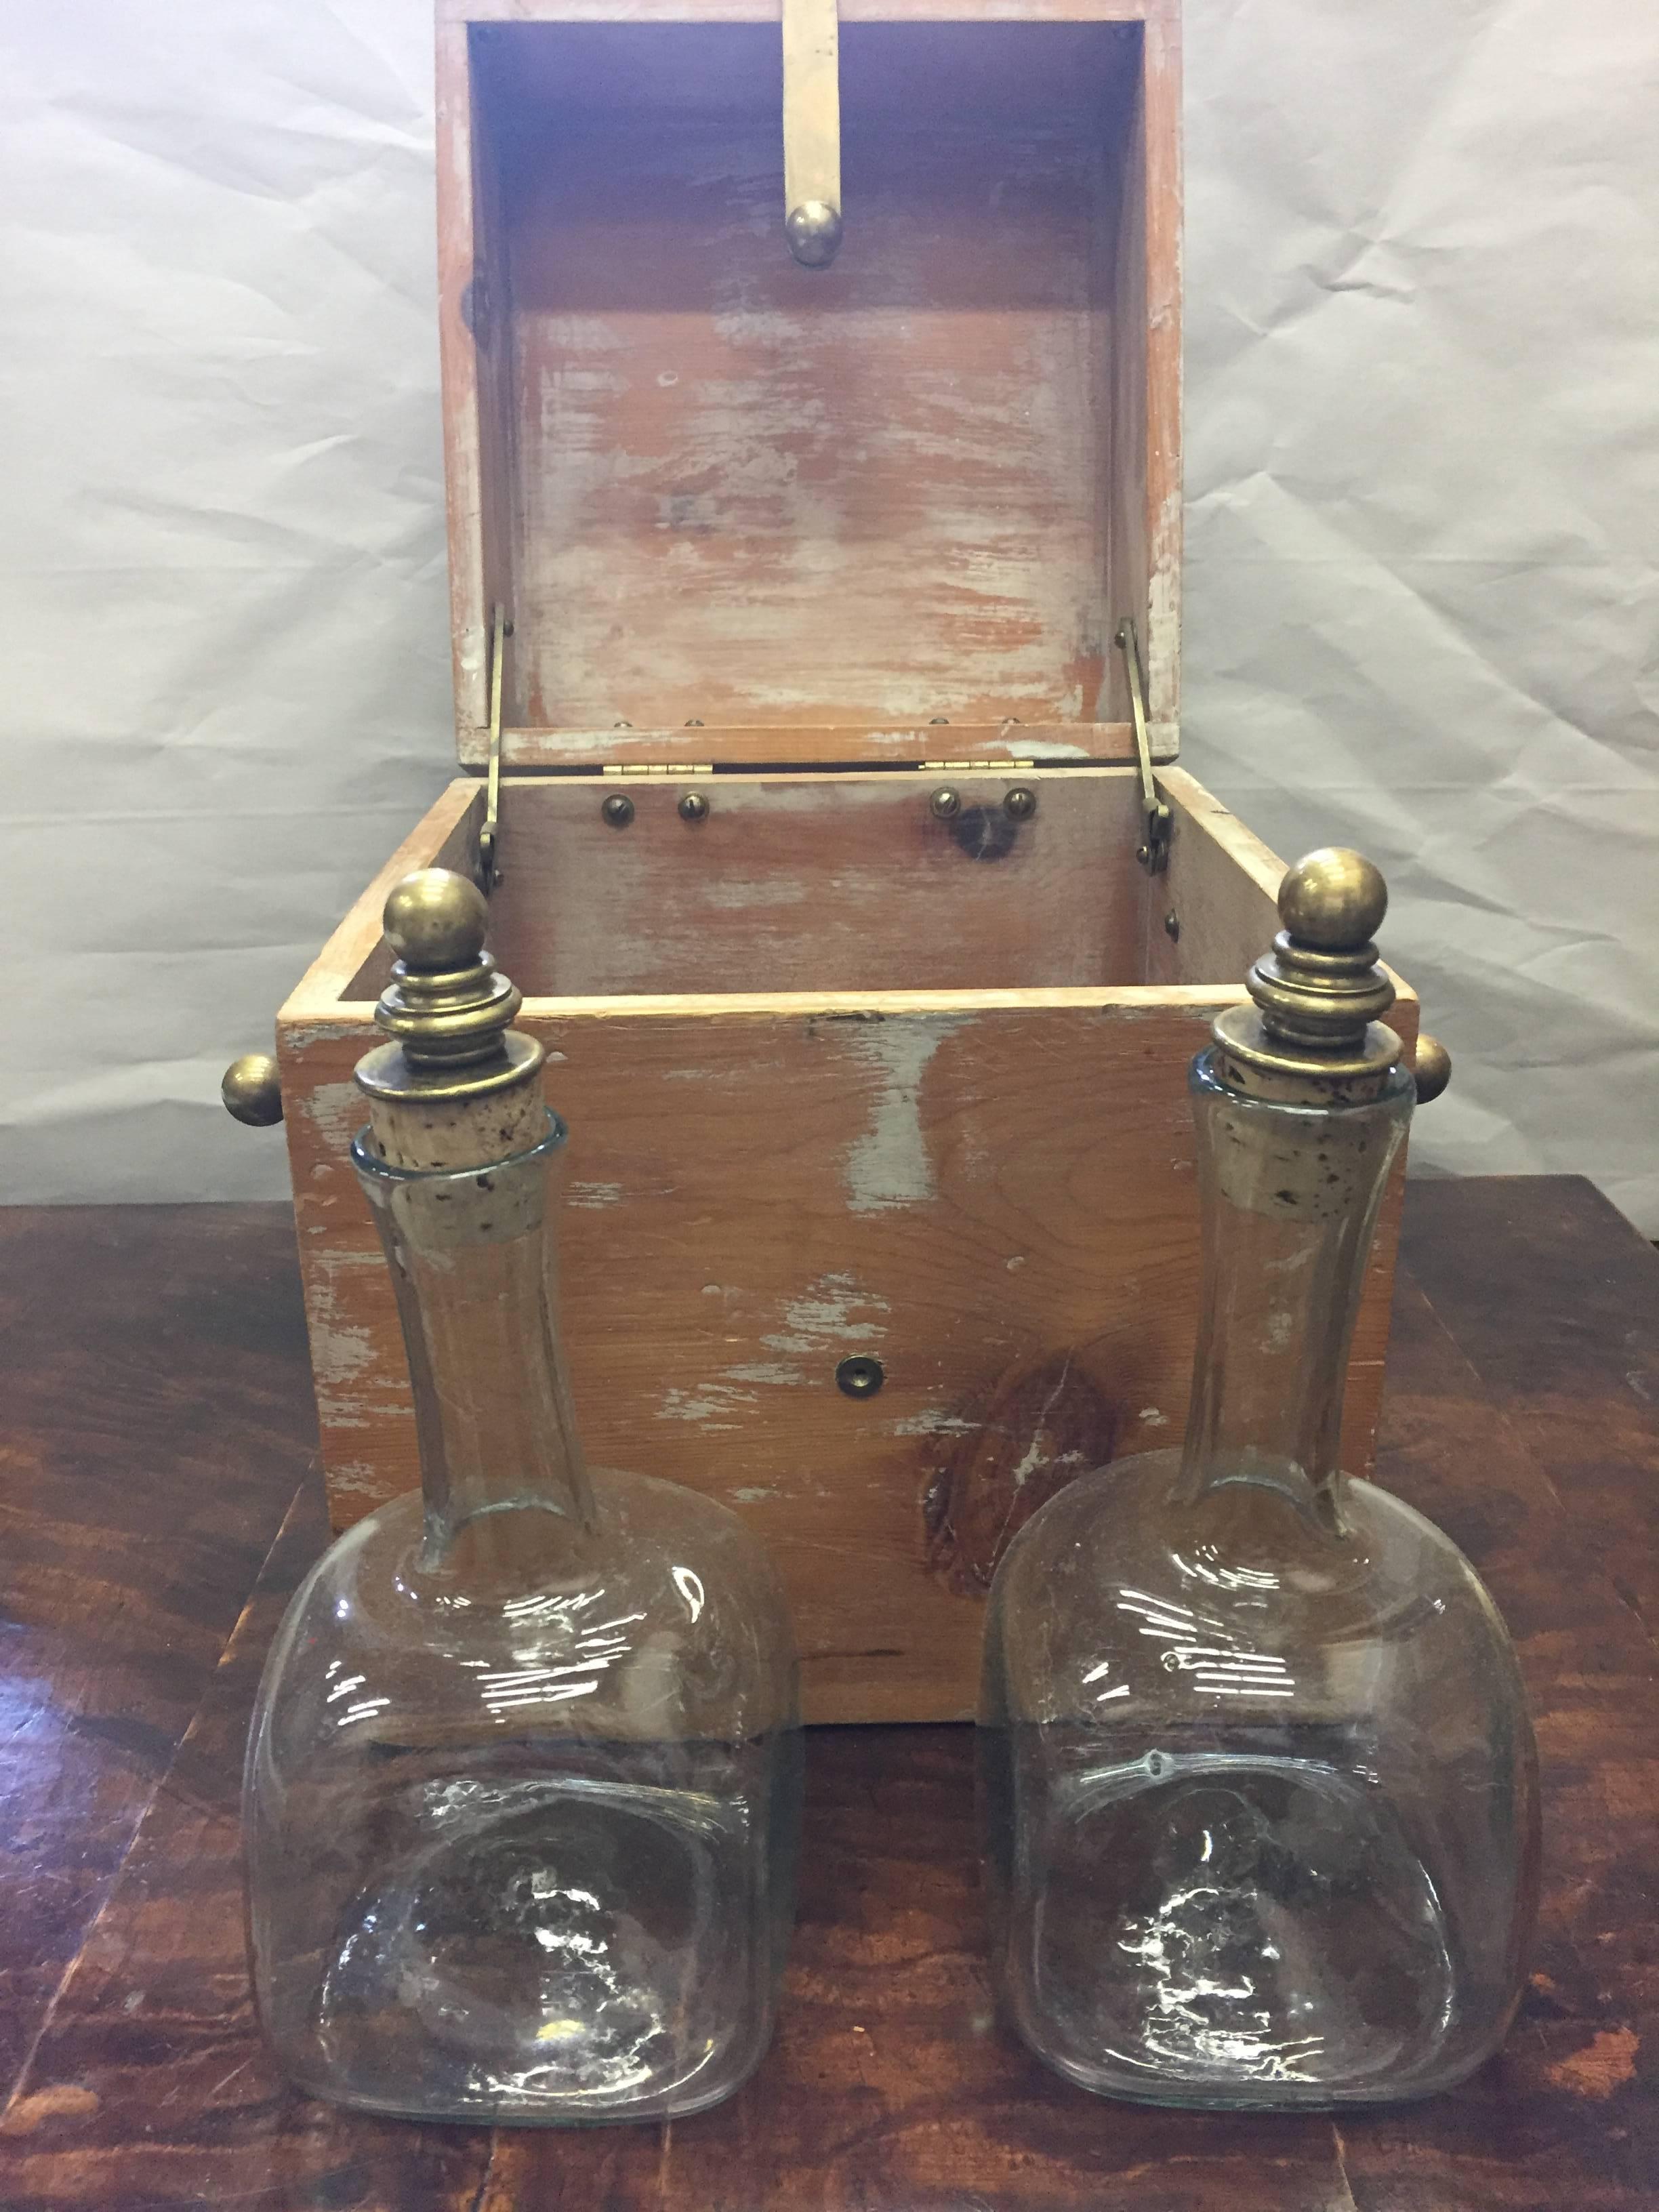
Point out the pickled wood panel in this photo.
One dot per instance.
(750, 493)
(809, 884)
(978, 1196)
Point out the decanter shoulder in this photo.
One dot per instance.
(665, 1613)
(1123, 1580)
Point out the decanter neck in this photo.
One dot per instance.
(472, 1258)
(1289, 1196)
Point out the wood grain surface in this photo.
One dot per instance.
(757, 1193)
(922, 485)
(156, 1421)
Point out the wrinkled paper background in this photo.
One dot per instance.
(1423, 514)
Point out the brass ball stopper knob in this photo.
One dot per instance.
(448, 1010)
(1334, 901)
(436, 921)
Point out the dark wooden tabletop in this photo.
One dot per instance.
(159, 1499)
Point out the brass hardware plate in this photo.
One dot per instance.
(1153, 851)
(489, 873)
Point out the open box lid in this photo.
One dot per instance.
(735, 511)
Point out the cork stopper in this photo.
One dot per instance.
(1315, 1033)
(458, 1087)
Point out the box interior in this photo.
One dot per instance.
(853, 883)
(723, 489)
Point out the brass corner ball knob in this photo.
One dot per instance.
(253, 1090)
(1433, 1067)
(436, 921)
(1334, 900)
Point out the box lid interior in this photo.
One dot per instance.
(737, 511)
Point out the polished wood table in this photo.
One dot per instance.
(159, 1498)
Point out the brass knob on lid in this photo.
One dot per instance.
(813, 230)
(448, 1007)
(253, 1090)
(1315, 1030)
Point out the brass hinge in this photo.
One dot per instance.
(666, 768)
(489, 835)
(971, 767)
(1153, 851)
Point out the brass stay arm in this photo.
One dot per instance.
(1153, 851)
(489, 873)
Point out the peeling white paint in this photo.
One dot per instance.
(765, 1371)
(707, 1405)
(824, 1315)
(732, 896)
(337, 1111)
(752, 1497)
(591, 1195)
(1152, 1419)
(889, 1165)
(929, 1424)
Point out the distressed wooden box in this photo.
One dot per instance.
(846, 1076)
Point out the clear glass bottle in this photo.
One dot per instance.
(1258, 1785)
(523, 1785)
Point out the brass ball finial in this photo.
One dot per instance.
(448, 1007)
(1334, 900)
(435, 919)
(1315, 1030)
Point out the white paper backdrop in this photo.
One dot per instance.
(1423, 485)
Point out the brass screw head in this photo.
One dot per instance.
(1335, 899)
(694, 808)
(860, 1376)
(435, 919)
(945, 802)
(813, 230)
(618, 809)
(253, 1090)
(1020, 802)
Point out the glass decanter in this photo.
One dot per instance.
(523, 1785)
(1258, 1787)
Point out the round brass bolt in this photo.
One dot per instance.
(435, 919)
(1020, 802)
(694, 808)
(860, 1376)
(617, 810)
(1434, 1067)
(1334, 900)
(253, 1090)
(945, 802)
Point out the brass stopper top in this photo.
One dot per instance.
(1315, 1030)
(448, 1008)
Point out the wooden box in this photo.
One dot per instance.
(853, 1073)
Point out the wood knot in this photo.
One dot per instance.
(1041, 1427)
